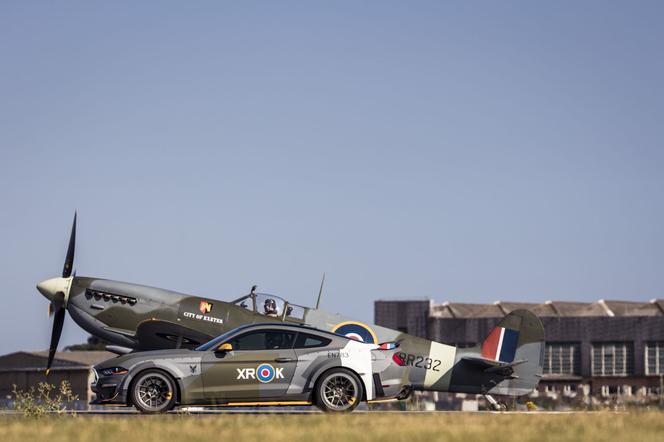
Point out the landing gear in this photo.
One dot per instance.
(497, 406)
(405, 393)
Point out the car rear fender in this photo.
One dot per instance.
(355, 356)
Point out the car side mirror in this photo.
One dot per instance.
(225, 347)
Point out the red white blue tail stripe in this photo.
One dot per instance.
(501, 344)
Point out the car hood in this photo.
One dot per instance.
(132, 358)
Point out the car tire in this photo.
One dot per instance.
(153, 391)
(338, 391)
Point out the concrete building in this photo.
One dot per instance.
(26, 369)
(595, 352)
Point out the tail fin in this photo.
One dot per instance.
(518, 340)
(501, 344)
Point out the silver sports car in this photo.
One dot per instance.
(258, 364)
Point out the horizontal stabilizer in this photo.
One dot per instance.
(492, 365)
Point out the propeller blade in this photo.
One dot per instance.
(69, 260)
(57, 303)
(58, 321)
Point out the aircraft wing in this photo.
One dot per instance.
(155, 334)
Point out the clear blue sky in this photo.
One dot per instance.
(462, 151)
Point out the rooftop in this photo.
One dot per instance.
(499, 309)
(36, 360)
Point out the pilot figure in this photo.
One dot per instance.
(270, 308)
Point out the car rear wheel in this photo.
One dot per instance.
(338, 390)
(153, 391)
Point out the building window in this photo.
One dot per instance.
(654, 358)
(562, 358)
(612, 359)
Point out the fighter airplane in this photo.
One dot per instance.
(135, 318)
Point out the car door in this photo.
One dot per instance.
(259, 367)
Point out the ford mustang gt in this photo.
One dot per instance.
(257, 364)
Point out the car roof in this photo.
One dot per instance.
(299, 327)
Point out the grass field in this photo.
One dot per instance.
(452, 427)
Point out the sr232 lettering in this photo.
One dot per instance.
(420, 361)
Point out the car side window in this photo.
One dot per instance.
(305, 340)
(264, 340)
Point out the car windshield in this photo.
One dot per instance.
(214, 343)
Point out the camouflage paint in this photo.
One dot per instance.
(163, 319)
(212, 378)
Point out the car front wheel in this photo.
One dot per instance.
(153, 391)
(338, 390)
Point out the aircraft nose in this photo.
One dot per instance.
(50, 287)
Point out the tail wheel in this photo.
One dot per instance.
(338, 390)
(153, 391)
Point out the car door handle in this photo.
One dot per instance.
(284, 360)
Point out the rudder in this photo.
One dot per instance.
(518, 338)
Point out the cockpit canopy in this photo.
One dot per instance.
(270, 305)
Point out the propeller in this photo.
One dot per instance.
(56, 290)
(69, 259)
(58, 322)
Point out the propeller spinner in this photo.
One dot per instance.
(56, 290)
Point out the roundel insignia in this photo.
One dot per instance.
(356, 330)
(265, 373)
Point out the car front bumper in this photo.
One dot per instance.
(109, 390)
